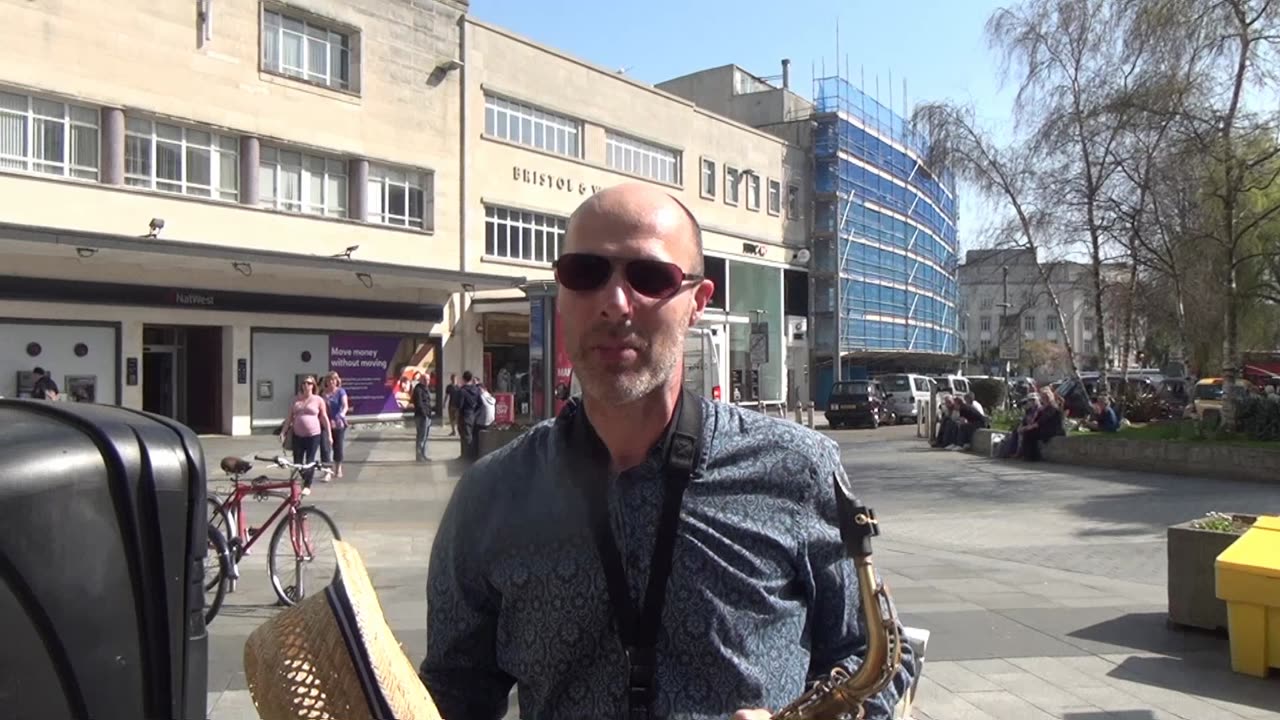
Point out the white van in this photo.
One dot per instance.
(705, 373)
(906, 393)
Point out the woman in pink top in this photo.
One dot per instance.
(309, 418)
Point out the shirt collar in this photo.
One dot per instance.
(583, 437)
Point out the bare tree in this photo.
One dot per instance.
(1073, 63)
(1011, 176)
(1223, 48)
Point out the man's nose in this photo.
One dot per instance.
(615, 297)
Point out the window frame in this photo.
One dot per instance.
(184, 185)
(539, 119)
(618, 146)
(753, 191)
(793, 202)
(275, 202)
(66, 166)
(552, 229)
(773, 202)
(331, 29)
(732, 189)
(382, 175)
(705, 165)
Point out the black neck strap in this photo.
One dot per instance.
(639, 631)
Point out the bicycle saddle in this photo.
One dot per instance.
(235, 465)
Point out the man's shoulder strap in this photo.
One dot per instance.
(685, 445)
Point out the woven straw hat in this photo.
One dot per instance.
(333, 657)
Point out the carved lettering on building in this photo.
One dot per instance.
(192, 298)
(553, 182)
(754, 249)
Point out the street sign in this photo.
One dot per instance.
(1010, 337)
(759, 344)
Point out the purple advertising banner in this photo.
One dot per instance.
(378, 371)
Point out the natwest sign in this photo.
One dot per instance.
(554, 182)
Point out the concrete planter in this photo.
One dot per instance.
(1229, 462)
(1193, 600)
(491, 439)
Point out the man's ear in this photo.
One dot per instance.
(701, 296)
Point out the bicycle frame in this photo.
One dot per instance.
(235, 504)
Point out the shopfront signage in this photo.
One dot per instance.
(506, 329)
(754, 249)
(554, 182)
(504, 411)
(379, 371)
(102, 293)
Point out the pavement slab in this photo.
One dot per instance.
(1042, 586)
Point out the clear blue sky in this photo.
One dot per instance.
(938, 46)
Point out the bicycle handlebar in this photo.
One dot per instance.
(280, 462)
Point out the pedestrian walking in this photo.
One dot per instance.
(338, 405)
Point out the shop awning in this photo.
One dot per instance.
(154, 253)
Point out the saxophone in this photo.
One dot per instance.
(839, 694)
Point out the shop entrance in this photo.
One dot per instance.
(506, 357)
(182, 375)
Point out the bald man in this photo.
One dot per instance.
(540, 574)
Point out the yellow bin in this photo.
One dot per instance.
(1248, 579)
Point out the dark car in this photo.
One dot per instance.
(858, 402)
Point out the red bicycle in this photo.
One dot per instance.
(309, 530)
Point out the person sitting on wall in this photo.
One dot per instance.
(1048, 423)
(1009, 446)
(972, 417)
(1105, 418)
(948, 424)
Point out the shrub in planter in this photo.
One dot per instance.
(495, 436)
(1192, 548)
(991, 392)
(1259, 418)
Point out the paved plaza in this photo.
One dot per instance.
(1043, 586)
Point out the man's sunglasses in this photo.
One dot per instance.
(585, 272)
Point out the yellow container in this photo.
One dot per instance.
(1248, 580)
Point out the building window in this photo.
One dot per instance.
(984, 346)
(527, 125)
(302, 49)
(793, 202)
(1051, 322)
(399, 197)
(708, 186)
(183, 160)
(1029, 323)
(985, 323)
(637, 157)
(298, 182)
(985, 303)
(753, 192)
(964, 323)
(521, 235)
(47, 136)
(732, 177)
(775, 197)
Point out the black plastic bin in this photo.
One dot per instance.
(102, 545)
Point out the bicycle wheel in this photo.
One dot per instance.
(308, 556)
(217, 573)
(220, 517)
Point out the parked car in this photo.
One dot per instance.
(906, 393)
(858, 402)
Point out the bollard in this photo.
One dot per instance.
(810, 408)
(799, 413)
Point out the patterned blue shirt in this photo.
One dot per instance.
(760, 601)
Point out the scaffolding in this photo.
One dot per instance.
(885, 248)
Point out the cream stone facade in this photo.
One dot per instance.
(302, 164)
(542, 131)
(204, 201)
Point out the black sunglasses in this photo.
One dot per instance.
(585, 272)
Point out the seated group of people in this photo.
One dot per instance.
(960, 418)
(1042, 420)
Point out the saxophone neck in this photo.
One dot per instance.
(857, 522)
